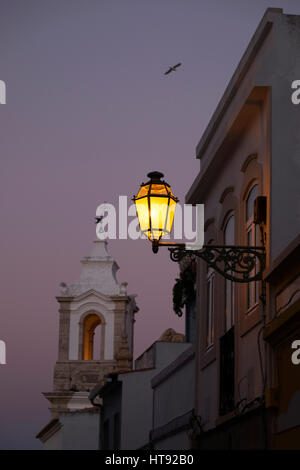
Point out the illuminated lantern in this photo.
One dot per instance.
(155, 207)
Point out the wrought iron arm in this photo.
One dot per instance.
(236, 263)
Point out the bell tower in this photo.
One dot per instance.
(95, 305)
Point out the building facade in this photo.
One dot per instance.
(247, 388)
(128, 400)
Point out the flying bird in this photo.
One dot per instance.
(98, 219)
(172, 69)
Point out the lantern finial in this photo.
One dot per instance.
(155, 176)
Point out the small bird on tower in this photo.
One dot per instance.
(173, 68)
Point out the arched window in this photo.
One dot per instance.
(252, 240)
(92, 337)
(206, 300)
(252, 195)
(229, 239)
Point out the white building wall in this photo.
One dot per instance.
(136, 409)
(137, 397)
(80, 431)
(174, 396)
(54, 442)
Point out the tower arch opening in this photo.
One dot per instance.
(93, 337)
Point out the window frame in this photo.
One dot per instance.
(253, 175)
(207, 353)
(230, 207)
(252, 228)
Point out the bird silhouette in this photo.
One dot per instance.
(98, 219)
(173, 68)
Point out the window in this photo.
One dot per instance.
(229, 239)
(227, 372)
(92, 337)
(252, 240)
(210, 308)
(207, 302)
(227, 340)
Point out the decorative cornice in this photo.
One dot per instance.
(226, 191)
(252, 156)
(49, 430)
(180, 423)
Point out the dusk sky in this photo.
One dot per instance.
(89, 113)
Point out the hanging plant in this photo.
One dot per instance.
(184, 287)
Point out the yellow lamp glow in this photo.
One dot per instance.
(155, 206)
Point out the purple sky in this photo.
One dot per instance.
(89, 113)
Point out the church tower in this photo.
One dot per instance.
(95, 338)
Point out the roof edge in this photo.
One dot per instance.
(248, 57)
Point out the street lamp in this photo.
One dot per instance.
(155, 206)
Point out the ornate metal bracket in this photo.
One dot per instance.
(236, 263)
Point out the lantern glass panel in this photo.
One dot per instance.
(143, 213)
(143, 191)
(170, 217)
(159, 189)
(159, 211)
